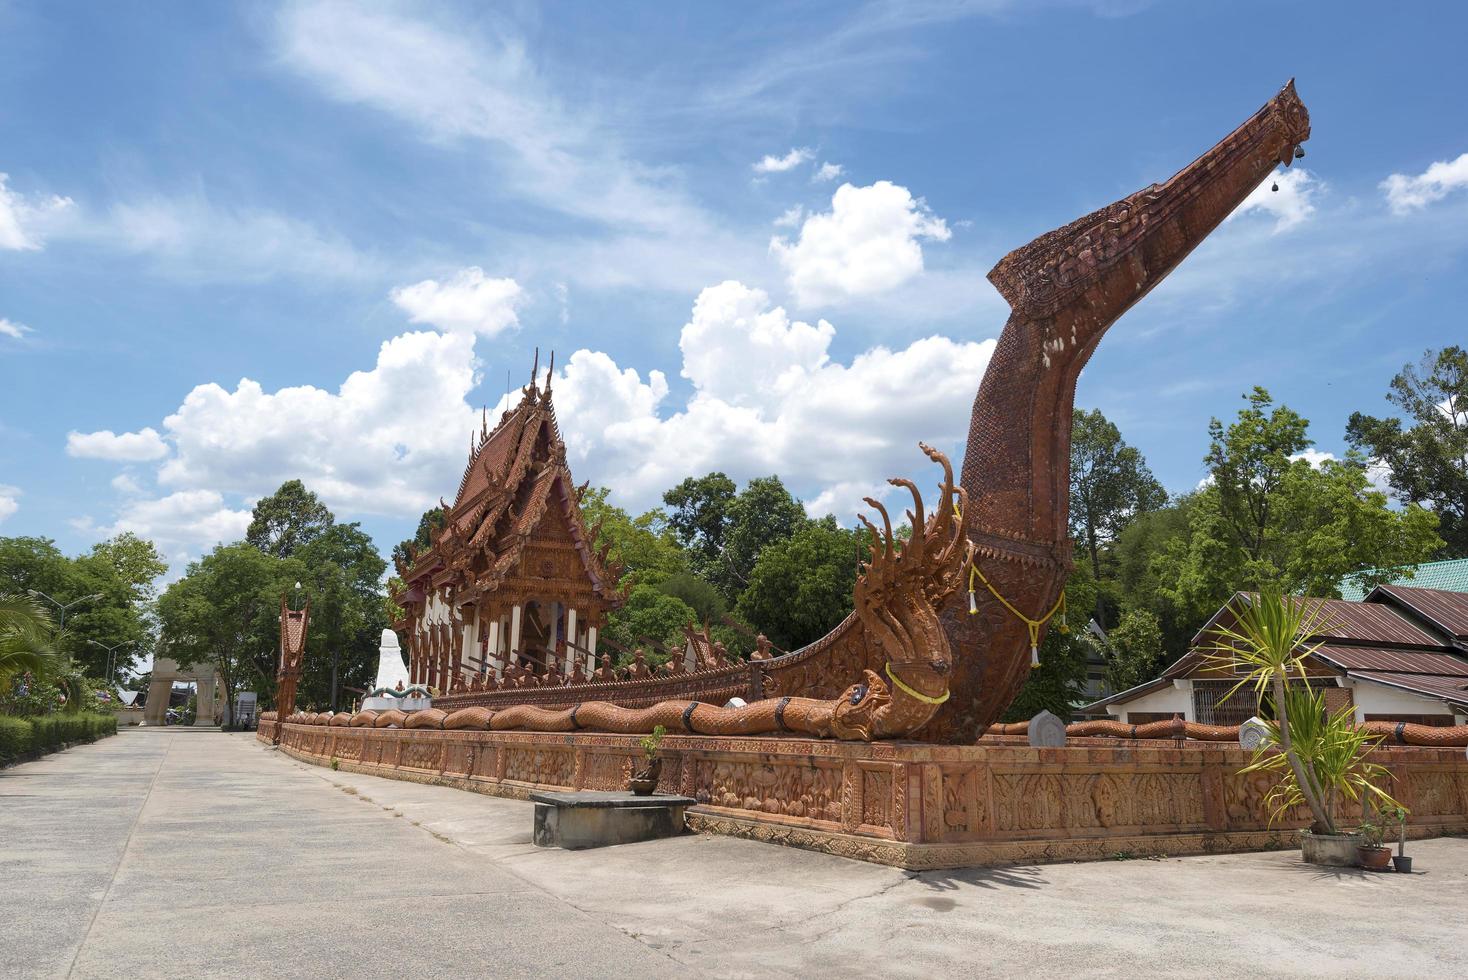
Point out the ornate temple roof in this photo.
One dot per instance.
(516, 489)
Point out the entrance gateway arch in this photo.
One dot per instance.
(165, 672)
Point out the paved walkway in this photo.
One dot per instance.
(173, 853)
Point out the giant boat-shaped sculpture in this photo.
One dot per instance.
(917, 658)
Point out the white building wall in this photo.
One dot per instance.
(1176, 698)
(1377, 699)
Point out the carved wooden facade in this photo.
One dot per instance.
(512, 582)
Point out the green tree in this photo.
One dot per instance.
(1270, 518)
(705, 601)
(648, 619)
(1110, 487)
(224, 611)
(108, 593)
(700, 518)
(1426, 459)
(341, 570)
(800, 587)
(1135, 654)
(764, 513)
(288, 519)
(1138, 576)
(645, 545)
(429, 524)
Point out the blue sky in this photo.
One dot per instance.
(244, 243)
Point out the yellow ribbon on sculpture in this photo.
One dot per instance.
(1033, 624)
(910, 692)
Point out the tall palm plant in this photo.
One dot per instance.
(27, 638)
(1269, 641)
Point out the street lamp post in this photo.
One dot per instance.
(63, 607)
(111, 657)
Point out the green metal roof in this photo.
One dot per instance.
(1449, 576)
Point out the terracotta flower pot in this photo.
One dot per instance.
(645, 781)
(1374, 858)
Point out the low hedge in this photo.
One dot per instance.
(47, 733)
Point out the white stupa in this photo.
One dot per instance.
(393, 689)
(390, 667)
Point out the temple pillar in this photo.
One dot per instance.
(204, 701)
(591, 646)
(156, 708)
(572, 640)
(493, 650)
(515, 628)
(471, 642)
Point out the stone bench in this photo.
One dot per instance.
(597, 819)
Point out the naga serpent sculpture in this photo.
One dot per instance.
(936, 667)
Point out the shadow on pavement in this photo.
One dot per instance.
(992, 878)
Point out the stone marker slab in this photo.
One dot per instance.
(597, 819)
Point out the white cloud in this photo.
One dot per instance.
(23, 219)
(453, 80)
(9, 500)
(388, 441)
(771, 164)
(866, 244)
(128, 447)
(1290, 205)
(181, 524)
(1315, 457)
(190, 236)
(468, 301)
(828, 171)
(767, 398)
(1406, 194)
(125, 484)
(10, 328)
(790, 217)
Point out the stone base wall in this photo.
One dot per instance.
(906, 804)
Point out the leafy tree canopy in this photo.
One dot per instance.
(1110, 487)
(763, 514)
(1272, 519)
(800, 587)
(288, 519)
(1427, 457)
(700, 517)
(107, 592)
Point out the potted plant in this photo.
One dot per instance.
(645, 780)
(1319, 758)
(1397, 815)
(1373, 856)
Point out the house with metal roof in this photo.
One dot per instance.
(1401, 654)
(1446, 576)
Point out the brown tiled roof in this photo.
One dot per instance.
(1454, 688)
(1354, 658)
(1446, 610)
(514, 475)
(1371, 622)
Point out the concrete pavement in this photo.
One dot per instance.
(192, 854)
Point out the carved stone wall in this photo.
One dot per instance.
(902, 803)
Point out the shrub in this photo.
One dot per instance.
(47, 733)
(15, 739)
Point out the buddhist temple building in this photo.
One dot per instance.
(512, 579)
